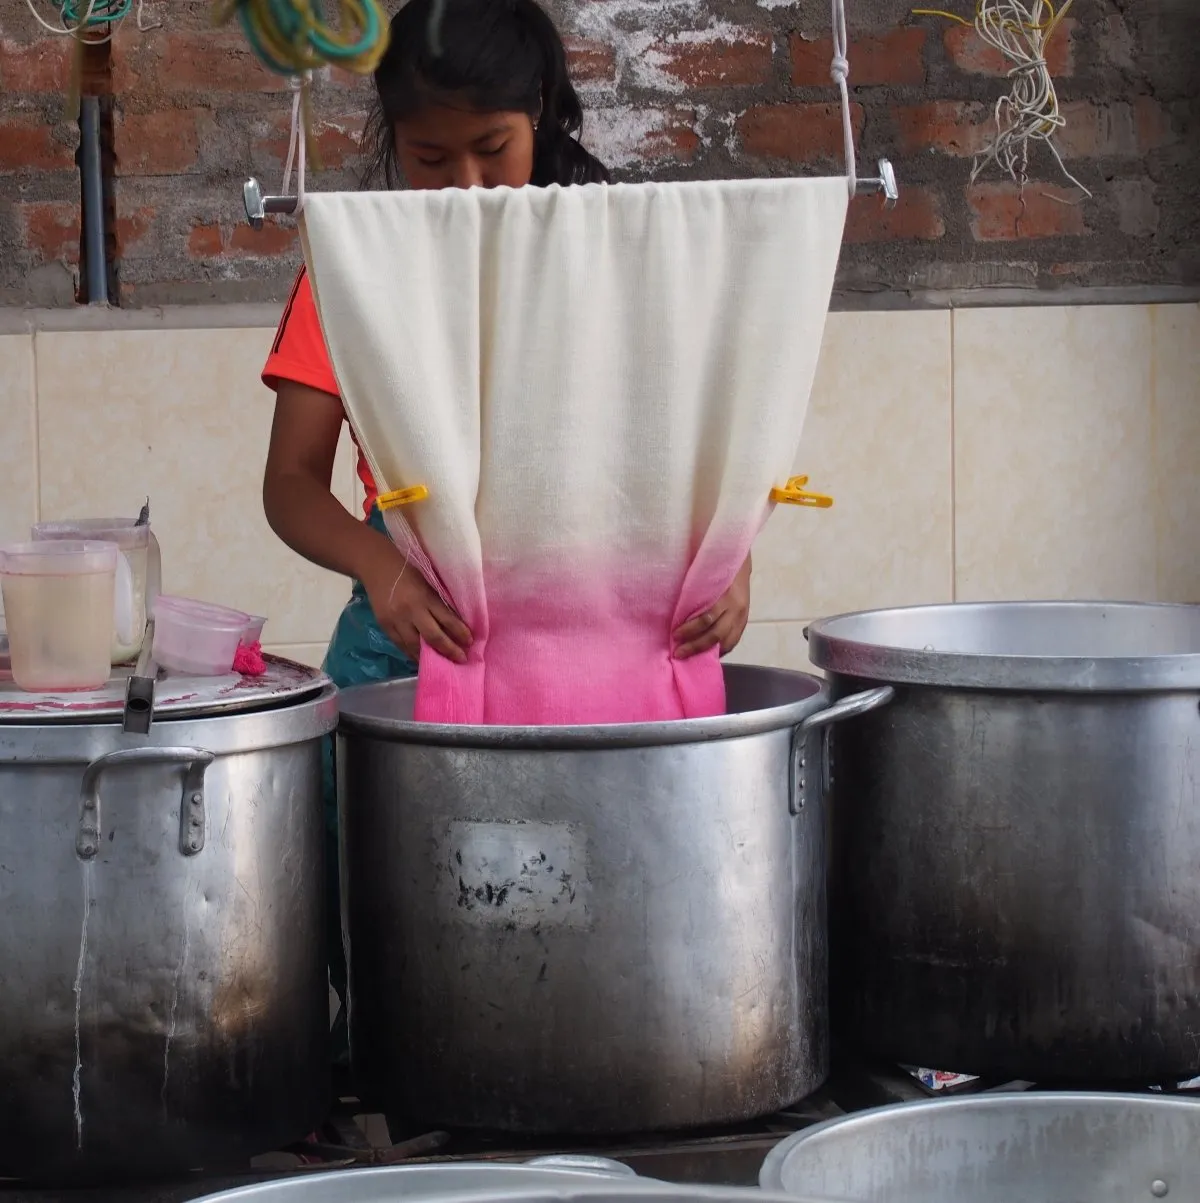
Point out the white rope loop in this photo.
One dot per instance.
(839, 70)
(296, 147)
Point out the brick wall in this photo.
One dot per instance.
(675, 89)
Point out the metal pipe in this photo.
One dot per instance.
(93, 200)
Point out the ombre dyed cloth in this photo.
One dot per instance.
(598, 386)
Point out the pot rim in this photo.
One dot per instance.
(225, 733)
(837, 645)
(598, 737)
(496, 1183)
(771, 1176)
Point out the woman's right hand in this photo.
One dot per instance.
(409, 610)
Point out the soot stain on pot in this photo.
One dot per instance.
(211, 1113)
(496, 893)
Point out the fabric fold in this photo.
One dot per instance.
(599, 386)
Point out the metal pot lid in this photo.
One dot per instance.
(1111, 647)
(175, 696)
(480, 1182)
(996, 1148)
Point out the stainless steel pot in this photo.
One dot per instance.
(1003, 1148)
(1016, 838)
(163, 998)
(588, 929)
(486, 1183)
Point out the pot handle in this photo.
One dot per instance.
(851, 707)
(191, 811)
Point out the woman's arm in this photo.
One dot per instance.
(306, 515)
(297, 499)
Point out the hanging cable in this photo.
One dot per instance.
(98, 19)
(1020, 31)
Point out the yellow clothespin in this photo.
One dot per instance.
(399, 497)
(794, 493)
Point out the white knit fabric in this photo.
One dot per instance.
(599, 386)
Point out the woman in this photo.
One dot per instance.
(495, 107)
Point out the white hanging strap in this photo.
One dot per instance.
(296, 148)
(840, 71)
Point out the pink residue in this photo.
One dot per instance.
(249, 660)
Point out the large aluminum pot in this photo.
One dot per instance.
(486, 1183)
(163, 997)
(1017, 835)
(1003, 1148)
(588, 929)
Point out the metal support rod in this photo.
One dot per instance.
(93, 200)
(258, 205)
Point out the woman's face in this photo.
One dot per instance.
(444, 147)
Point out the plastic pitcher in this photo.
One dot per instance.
(139, 578)
(58, 606)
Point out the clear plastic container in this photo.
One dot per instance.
(254, 629)
(58, 607)
(196, 637)
(138, 581)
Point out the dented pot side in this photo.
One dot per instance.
(163, 1005)
(589, 932)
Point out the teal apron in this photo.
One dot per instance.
(359, 653)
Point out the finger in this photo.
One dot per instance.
(710, 639)
(405, 636)
(695, 627)
(732, 637)
(451, 623)
(436, 638)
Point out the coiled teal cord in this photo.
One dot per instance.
(104, 12)
(289, 37)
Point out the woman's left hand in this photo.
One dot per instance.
(722, 624)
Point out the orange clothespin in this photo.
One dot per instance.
(794, 493)
(399, 497)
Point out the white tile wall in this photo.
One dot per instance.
(981, 454)
(876, 439)
(1055, 459)
(1175, 417)
(180, 415)
(18, 458)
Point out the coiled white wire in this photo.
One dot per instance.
(77, 31)
(1030, 112)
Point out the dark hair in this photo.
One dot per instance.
(497, 56)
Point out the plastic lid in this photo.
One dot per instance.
(58, 558)
(122, 531)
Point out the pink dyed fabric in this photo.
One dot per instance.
(599, 387)
(579, 644)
